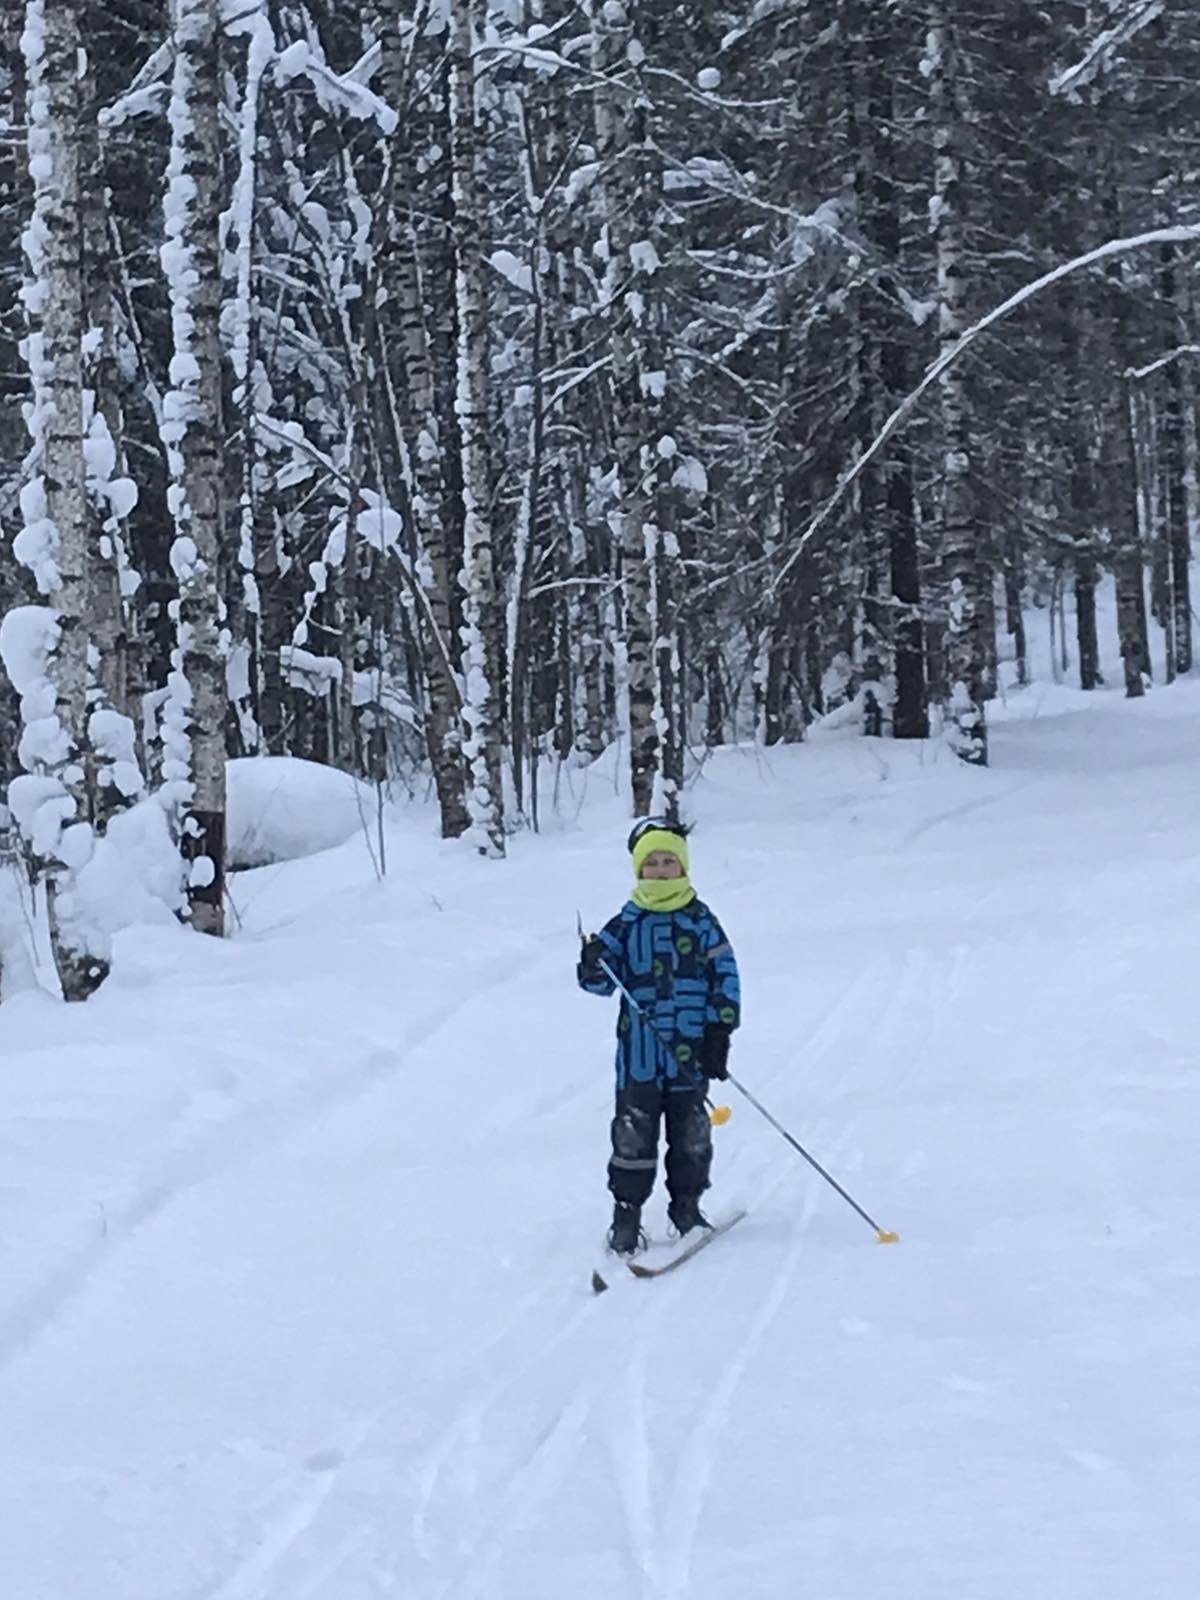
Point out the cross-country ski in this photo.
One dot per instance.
(667, 1257)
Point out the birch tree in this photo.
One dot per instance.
(250, 669)
(910, 718)
(1173, 466)
(483, 622)
(637, 377)
(963, 570)
(194, 732)
(408, 260)
(46, 649)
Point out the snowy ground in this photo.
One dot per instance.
(295, 1232)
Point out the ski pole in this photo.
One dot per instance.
(717, 1115)
(882, 1235)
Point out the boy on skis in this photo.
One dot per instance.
(669, 951)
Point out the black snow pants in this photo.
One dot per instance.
(640, 1108)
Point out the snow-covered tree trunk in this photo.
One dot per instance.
(1117, 461)
(781, 711)
(591, 646)
(251, 670)
(1173, 466)
(1087, 635)
(526, 533)
(112, 490)
(1079, 422)
(402, 311)
(194, 763)
(869, 311)
(959, 532)
(910, 717)
(444, 738)
(346, 600)
(670, 708)
(621, 139)
(46, 652)
(639, 553)
(1120, 471)
(1014, 598)
(271, 632)
(483, 663)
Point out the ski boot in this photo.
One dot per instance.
(625, 1237)
(685, 1214)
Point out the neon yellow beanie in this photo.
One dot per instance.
(659, 839)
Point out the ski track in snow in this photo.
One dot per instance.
(664, 1498)
(516, 1509)
(630, 1449)
(688, 1497)
(303, 1495)
(456, 1444)
(568, 1447)
(869, 991)
(249, 1135)
(660, 1548)
(1003, 796)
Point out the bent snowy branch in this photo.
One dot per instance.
(1179, 234)
(1132, 18)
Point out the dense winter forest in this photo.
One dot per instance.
(443, 392)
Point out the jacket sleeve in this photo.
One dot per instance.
(724, 986)
(612, 937)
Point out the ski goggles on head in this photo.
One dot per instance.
(645, 825)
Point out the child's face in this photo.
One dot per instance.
(662, 864)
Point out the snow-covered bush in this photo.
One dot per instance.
(282, 808)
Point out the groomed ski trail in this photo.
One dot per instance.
(340, 1344)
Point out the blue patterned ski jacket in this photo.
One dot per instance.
(680, 968)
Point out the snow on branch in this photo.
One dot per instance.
(1183, 233)
(1138, 374)
(150, 90)
(1131, 18)
(292, 433)
(304, 58)
(531, 49)
(148, 93)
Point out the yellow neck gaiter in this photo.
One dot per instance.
(663, 894)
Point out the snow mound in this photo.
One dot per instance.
(281, 808)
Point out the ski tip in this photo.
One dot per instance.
(598, 1283)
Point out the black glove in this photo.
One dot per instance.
(714, 1051)
(590, 957)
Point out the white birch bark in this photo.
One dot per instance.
(444, 735)
(966, 728)
(56, 804)
(113, 492)
(404, 285)
(408, 366)
(194, 763)
(620, 134)
(483, 621)
(592, 645)
(247, 675)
